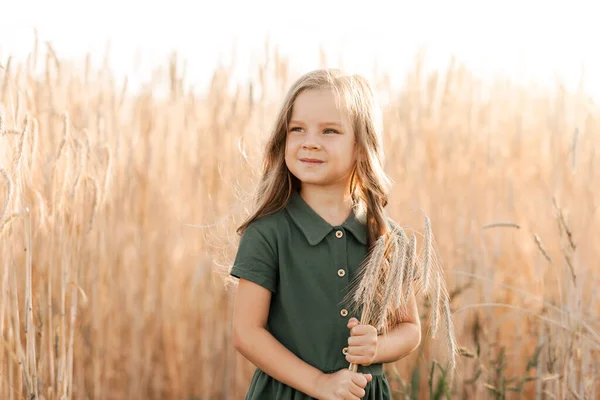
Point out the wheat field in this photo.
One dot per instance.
(119, 210)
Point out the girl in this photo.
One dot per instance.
(319, 209)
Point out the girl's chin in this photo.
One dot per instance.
(314, 179)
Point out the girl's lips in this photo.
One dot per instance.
(311, 161)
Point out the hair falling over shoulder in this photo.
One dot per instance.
(370, 185)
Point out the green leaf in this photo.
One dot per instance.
(430, 382)
(474, 379)
(439, 390)
(533, 361)
(414, 383)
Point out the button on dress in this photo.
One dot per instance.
(307, 264)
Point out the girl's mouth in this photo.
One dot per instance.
(311, 161)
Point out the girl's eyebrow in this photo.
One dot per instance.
(321, 124)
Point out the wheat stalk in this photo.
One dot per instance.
(392, 293)
(9, 190)
(18, 156)
(2, 119)
(94, 183)
(401, 271)
(427, 254)
(82, 155)
(389, 275)
(435, 308)
(34, 144)
(30, 332)
(409, 268)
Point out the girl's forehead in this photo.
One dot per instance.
(316, 104)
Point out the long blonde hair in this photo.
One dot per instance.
(369, 186)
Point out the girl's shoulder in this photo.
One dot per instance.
(257, 254)
(266, 225)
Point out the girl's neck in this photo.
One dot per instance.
(332, 204)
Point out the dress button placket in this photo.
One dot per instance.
(340, 257)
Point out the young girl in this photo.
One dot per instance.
(319, 209)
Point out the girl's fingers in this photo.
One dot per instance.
(357, 350)
(359, 330)
(359, 341)
(357, 391)
(356, 359)
(357, 355)
(352, 322)
(359, 379)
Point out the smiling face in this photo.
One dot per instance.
(320, 144)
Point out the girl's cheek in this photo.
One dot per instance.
(292, 137)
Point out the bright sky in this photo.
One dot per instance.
(520, 38)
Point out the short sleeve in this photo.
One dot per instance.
(256, 260)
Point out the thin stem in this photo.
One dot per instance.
(549, 320)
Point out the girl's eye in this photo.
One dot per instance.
(326, 131)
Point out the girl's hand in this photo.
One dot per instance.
(342, 385)
(362, 343)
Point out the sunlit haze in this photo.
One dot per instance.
(521, 39)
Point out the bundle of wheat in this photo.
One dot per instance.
(390, 274)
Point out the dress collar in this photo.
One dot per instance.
(314, 227)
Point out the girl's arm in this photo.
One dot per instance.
(255, 343)
(403, 339)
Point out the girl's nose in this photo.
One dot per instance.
(310, 143)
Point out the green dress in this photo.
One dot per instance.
(307, 264)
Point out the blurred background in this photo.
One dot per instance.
(131, 137)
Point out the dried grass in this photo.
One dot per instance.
(99, 186)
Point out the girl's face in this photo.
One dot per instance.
(320, 144)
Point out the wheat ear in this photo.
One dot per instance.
(410, 267)
(390, 274)
(426, 255)
(393, 290)
(435, 307)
